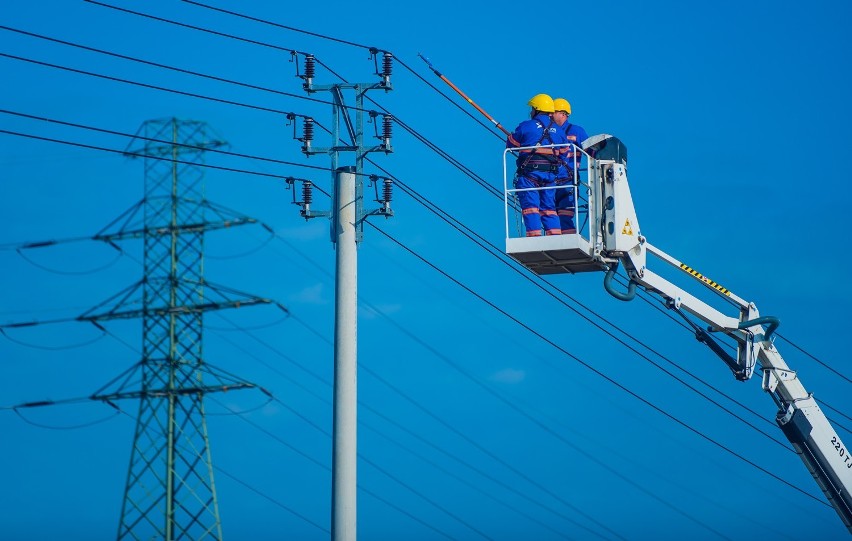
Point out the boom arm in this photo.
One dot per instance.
(617, 238)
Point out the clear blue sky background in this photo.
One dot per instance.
(736, 117)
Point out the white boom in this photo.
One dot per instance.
(614, 237)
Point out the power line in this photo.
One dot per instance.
(338, 40)
(455, 431)
(480, 242)
(499, 255)
(143, 155)
(70, 273)
(193, 27)
(824, 365)
(258, 492)
(413, 132)
(6, 55)
(315, 34)
(71, 427)
(52, 348)
(157, 65)
(277, 176)
(271, 499)
(595, 370)
(379, 468)
(536, 422)
(456, 367)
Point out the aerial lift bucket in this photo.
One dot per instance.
(568, 253)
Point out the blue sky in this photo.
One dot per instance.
(735, 116)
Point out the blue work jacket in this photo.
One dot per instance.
(573, 134)
(532, 133)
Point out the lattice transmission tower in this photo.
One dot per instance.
(169, 492)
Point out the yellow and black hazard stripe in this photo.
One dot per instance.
(706, 280)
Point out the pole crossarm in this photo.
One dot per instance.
(165, 392)
(134, 226)
(195, 308)
(126, 297)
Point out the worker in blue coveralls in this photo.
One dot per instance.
(537, 167)
(566, 204)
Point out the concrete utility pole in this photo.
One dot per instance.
(344, 464)
(347, 219)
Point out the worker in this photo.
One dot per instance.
(537, 167)
(571, 157)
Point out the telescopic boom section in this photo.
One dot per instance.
(614, 237)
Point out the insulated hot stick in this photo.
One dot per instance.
(463, 95)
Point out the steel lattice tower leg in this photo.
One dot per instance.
(170, 492)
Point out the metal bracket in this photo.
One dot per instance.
(773, 376)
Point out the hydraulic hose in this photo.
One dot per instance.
(631, 287)
(772, 323)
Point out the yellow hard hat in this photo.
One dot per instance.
(542, 102)
(561, 104)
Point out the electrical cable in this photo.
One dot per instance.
(252, 328)
(479, 447)
(70, 427)
(282, 441)
(413, 132)
(231, 413)
(596, 371)
(184, 25)
(51, 348)
(245, 253)
(395, 389)
(379, 468)
(116, 338)
(427, 460)
(281, 374)
(824, 365)
(448, 98)
(470, 485)
(70, 273)
(502, 256)
(171, 90)
(445, 510)
(338, 40)
(537, 423)
(322, 270)
(43, 403)
(40, 244)
(553, 421)
(567, 306)
(399, 121)
(162, 66)
(270, 499)
(174, 160)
(838, 412)
(498, 254)
(33, 323)
(416, 134)
(610, 380)
(330, 38)
(256, 491)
